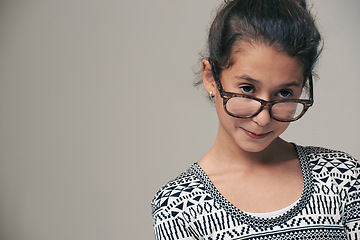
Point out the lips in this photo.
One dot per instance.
(255, 135)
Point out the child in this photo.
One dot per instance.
(252, 184)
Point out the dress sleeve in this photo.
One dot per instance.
(352, 205)
(168, 227)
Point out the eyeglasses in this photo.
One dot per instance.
(245, 106)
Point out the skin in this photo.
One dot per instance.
(250, 165)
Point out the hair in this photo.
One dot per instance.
(286, 25)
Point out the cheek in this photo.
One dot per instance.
(282, 126)
(222, 115)
(226, 121)
(221, 110)
(219, 103)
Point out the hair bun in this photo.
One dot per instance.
(302, 3)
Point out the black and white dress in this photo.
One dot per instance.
(190, 207)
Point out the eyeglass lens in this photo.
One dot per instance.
(246, 107)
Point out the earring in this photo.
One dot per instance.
(211, 96)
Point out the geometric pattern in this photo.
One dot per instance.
(190, 207)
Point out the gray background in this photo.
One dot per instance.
(97, 109)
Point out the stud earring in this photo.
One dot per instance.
(211, 96)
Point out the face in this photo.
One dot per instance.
(263, 72)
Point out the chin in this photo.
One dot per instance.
(254, 147)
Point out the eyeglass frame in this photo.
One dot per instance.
(226, 96)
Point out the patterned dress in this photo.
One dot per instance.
(190, 207)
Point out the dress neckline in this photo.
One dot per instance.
(274, 213)
(262, 222)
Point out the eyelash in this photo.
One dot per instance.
(251, 90)
(289, 92)
(247, 86)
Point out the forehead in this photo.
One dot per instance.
(264, 63)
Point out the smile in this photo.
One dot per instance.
(254, 135)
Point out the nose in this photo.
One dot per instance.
(263, 118)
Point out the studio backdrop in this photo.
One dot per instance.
(98, 108)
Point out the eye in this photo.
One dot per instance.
(247, 89)
(285, 93)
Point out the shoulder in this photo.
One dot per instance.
(332, 164)
(329, 157)
(183, 187)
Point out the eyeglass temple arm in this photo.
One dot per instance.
(216, 76)
(311, 90)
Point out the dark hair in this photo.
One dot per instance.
(286, 25)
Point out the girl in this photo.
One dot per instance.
(252, 184)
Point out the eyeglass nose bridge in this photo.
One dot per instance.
(264, 104)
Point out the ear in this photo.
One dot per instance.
(208, 79)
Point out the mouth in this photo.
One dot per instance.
(256, 135)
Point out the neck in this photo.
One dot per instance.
(227, 153)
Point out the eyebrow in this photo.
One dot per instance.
(252, 80)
